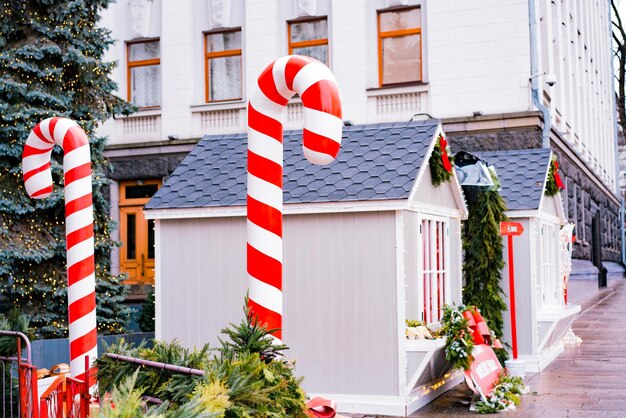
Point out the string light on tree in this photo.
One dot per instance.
(51, 65)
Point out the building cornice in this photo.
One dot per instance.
(130, 149)
(495, 122)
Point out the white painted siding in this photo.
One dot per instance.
(340, 316)
(202, 268)
(526, 273)
(441, 196)
(340, 302)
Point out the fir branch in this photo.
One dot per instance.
(484, 259)
(551, 187)
(438, 173)
(506, 394)
(459, 342)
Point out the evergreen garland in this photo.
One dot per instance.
(438, 173)
(506, 394)
(551, 185)
(51, 65)
(484, 258)
(245, 378)
(126, 401)
(459, 341)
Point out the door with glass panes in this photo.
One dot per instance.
(137, 233)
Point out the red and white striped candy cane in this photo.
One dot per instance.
(318, 90)
(81, 292)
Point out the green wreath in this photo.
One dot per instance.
(437, 171)
(552, 185)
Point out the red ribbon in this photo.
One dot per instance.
(557, 178)
(479, 329)
(443, 144)
(321, 408)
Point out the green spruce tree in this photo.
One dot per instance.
(51, 64)
(484, 259)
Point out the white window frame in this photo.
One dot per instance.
(426, 310)
(549, 284)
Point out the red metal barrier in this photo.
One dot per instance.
(27, 381)
(18, 400)
(27, 378)
(66, 397)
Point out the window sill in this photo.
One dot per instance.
(425, 345)
(144, 111)
(417, 87)
(557, 312)
(204, 107)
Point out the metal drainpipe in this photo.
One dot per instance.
(534, 70)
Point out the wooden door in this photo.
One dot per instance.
(137, 233)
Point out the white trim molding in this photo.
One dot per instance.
(289, 209)
(395, 405)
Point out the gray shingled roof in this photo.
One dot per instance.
(522, 174)
(376, 162)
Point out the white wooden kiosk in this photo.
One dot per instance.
(368, 243)
(542, 316)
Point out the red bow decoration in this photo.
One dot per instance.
(443, 144)
(479, 329)
(321, 408)
(557, 178)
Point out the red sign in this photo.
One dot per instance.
(485, 369)
(511, 228)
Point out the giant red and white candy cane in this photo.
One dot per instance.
(318, 90)
(81, 292)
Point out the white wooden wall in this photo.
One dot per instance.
(526, 276)
(340, 315)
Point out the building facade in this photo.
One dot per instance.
(508, 74)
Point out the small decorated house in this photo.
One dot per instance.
(543, 317)
(369, 242)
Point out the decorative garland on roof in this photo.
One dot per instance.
(441, 162)
(554, 183)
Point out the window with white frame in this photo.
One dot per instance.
(434, 268)
(549, 286)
